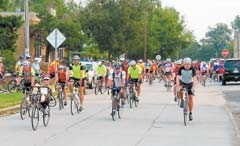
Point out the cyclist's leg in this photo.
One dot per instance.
(81, 92)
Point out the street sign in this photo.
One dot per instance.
(225, 53)
(158, 57)
(56, 38)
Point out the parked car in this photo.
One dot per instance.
(91, 73)
(231, 70)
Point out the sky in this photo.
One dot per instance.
(201, 14)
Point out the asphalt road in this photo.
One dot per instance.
(157, 121)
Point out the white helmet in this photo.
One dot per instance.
(76, 57)
(133, 62)
(187, 60)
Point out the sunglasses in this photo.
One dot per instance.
(45, 79)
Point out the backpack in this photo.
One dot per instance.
(62, 76)
(27, 70)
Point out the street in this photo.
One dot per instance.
(157, 121)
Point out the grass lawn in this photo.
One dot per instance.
(10, 99)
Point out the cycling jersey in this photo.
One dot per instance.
(101, 70)
(134, 72)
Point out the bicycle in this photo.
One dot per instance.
(60, 95)
(2, 84)
(37, 107)
(185, 105)
(26, 102)
(169, 86)
(98, 86)
(132, 94)
(75, 103)
(116, 105)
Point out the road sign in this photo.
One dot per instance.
(225, 53)
(158, 57)
(56, 38)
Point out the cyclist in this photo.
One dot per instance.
(101, 71)
(27, 73)
(36, 67)
(117, 79)
(203, 70)
(187, 78)
(62, 78)
(134, 76)
(175, 71)
(19, 64)
(168, 69)
(53, 67)
(142, 66)
(77, 74)
(1, 68)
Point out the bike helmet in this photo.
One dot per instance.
(133, 62)
(21, 57)
(187, 60)
(76, 57)
(61, 67)
(28, 56)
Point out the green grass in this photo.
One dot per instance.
(10, 99)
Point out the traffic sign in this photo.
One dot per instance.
(225, 53)
(56, 38)
(158, 57)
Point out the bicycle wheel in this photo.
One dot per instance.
(113, 114)
(12, 86)
(61, 100)
(96, 89)
(46, 116)
(35, 117)
(74, 104)
(53, 101)
(23, 108)
(185, 112)
(119, 110)
(136, 102)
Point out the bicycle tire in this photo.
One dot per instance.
(23, 108)
(12, 86)
(35, 117)
(74, 105)
(185, 112)
(46, 116)
(119, 110)
(61, 101)
(53, 101)
(113, 114)
(96, 89)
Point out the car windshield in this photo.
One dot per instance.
(231, 64)
(89, 67)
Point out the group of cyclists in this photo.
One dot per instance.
(114, 75)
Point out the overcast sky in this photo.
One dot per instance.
(199, 14)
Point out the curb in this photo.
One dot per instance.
(9, 110)
(236, 126)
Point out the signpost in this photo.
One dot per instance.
(158, 57)
(56, 38)
(225, 53)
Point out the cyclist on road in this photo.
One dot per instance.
(101, 71)
(134, 76)
(117, 79)
(19, 64)
(61, 77)
(77, 74)
(186, 78)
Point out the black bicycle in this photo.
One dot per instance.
(116, 103)
(132, 94)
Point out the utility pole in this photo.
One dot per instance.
(26, 28)
(145, 37)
